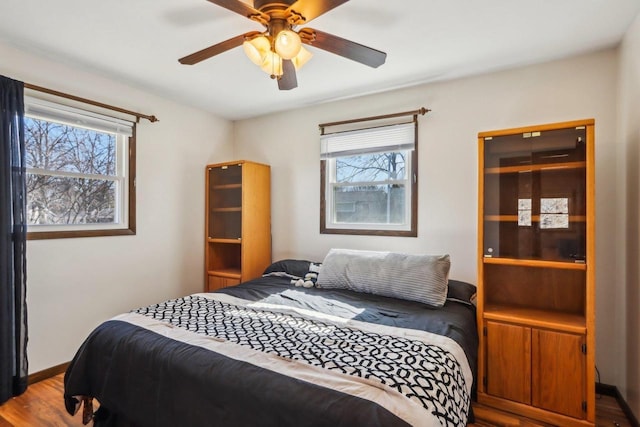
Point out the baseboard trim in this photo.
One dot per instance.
(611, 390)
(48, 373)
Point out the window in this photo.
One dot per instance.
(368, 183)
(80, 172)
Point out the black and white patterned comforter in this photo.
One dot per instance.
(265, 353)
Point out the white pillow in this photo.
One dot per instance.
(421, 278)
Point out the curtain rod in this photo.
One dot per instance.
(138, 116)
(422, 111)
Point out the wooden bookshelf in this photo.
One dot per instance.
(536, 272)
(238, 223)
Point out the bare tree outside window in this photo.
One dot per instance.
(369, 188)
(71, 174)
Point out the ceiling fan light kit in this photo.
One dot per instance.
(286, 46)
(278, 51)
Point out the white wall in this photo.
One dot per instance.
(576, 88)
(629, 207)
(74, 284)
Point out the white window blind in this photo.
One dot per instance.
(51, 111)
(398, 137)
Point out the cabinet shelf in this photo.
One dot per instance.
(535, 263)
(222, 240)
(535, 167)
(558, 321)
(534, 218)
(231, 273)
(233, 209)
(226, 186)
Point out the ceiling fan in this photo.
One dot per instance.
(278, 50)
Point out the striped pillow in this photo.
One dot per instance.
(421, 278)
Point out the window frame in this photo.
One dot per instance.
(372, 229)
(128, 223)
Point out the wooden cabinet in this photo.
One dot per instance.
(217, 280)
(238, 222)
(509, 351)
(536, 367)
(536, 272)
(558, 372)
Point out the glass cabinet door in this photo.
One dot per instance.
(535, 195)
(225, 202)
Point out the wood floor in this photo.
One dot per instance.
(42, 406)
(608, 413)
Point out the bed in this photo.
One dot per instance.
(270, 353)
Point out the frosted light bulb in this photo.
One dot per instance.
(272, 64)
(256, 49)
(287, 44)
(301, 58)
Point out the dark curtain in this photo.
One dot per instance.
(13, 196)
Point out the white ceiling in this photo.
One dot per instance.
(138, 42)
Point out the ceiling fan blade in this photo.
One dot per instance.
(216, 49)
(311, 9)
(343, 47)
(288, 80)
(240, 7)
